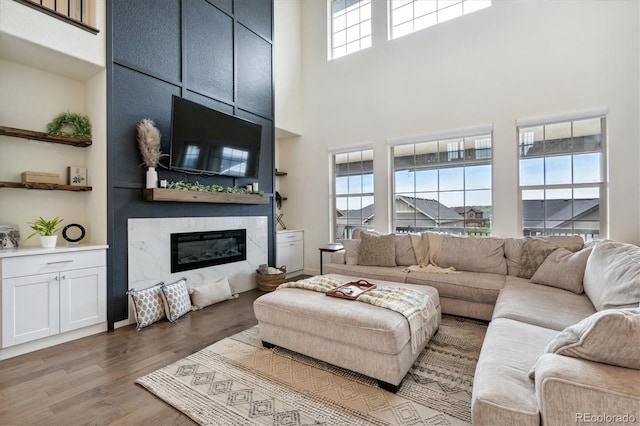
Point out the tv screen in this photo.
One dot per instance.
(207, 141)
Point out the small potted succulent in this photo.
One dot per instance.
(46, 229)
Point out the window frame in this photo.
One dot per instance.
(570, 118)
(334, 196)
(478, 133)
(331, 34)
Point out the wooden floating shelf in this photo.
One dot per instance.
(45, 186)
(162, 194)
(278, 173)
(44, 137)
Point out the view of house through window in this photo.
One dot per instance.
(350, 26)
(561, 178)
(408, 16)
(443, 185)
(353, 174)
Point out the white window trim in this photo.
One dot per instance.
(463, 132)
(600, 112)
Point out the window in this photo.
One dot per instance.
(353, 192)
(561, 177)
(408, 16)
(350, 26)
(443, 185)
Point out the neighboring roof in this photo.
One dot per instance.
(464, 210)
(557, 210)
(431, 208)
(366, 213)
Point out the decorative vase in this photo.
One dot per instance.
(152, 178)
(48, 241)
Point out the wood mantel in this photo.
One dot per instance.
(162, 194)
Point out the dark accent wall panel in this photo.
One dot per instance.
(255, 15)
(214, 52)
(254, 72)
(209, 50)
(146, 35)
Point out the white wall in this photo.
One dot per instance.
(514, 60)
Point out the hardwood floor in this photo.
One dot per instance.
(91, 380)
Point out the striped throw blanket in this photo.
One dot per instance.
(415, 306)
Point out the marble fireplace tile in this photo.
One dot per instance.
(149, 251)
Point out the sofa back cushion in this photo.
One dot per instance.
(472, 254)
(405, 255)
(612, 275)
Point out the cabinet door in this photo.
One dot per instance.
(296, 256)
(30, 308)
(83, 295)
(283, 255)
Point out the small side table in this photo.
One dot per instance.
(329, 248)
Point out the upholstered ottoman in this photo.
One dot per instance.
(364, 338)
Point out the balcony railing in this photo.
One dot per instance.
(81, 13)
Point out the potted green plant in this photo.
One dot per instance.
(46, 229)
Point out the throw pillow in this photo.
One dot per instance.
(176, 299)
(607, 337)
(405, 256)
(563, 269)
(377, 250)
(472, 254)
(352, 251)
(208, 294)
(612, 276)
(534, 252)
(148, 306)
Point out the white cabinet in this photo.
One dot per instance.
(290, 249)
(44, 294)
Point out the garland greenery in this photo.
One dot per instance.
(185, 186)
(79, 123)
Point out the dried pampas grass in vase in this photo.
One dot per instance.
(149, 144)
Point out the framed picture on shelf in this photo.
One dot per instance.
(77, 176)
(9, 236)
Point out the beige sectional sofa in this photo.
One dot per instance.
(563, 342)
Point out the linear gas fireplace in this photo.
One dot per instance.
(193, 250)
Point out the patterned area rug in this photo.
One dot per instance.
(238, 382)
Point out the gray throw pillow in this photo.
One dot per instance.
(352, 251)
(534, 252)
(377, 250)
(563, 269)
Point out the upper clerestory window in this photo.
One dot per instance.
(408, 16)
(350, 26)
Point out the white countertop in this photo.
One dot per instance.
(32, 251)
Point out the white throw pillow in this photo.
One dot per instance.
(208, 294)
(176, 299)
(352, 251)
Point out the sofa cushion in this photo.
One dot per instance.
(472, 254)
(377, 250)
(563, 269)
(611, 337)
(503, 394)
(470, 286)
(397, 273)
(612, 275)
(540, 305)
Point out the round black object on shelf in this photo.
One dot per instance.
(73, 240)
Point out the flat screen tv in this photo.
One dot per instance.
(211, 142)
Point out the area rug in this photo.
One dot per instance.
(238, 382)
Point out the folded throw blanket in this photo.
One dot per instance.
(432, 268)
(415, 306)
